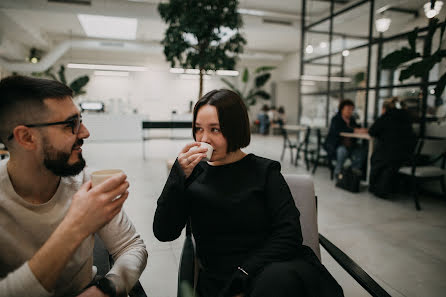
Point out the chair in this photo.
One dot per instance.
(302, 189)
(287, 144)
(103, 262)
(308, 147)
(322, 157)
(428, 152)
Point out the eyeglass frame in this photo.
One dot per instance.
(72, 120)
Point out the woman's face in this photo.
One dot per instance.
(207, 129)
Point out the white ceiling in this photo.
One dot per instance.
(42, 24)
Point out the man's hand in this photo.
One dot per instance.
(92, 208)
(92, 292)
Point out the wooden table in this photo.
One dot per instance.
(295, 128)
(367, 137)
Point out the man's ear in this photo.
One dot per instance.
(25, 137)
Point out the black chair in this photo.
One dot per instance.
(322, 157)
(287, 144)
(427, 164)
(103, 262)
(302, 189)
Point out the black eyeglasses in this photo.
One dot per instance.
(73, 123)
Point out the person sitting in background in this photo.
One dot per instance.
(49, 211)
(264, 120)
(395, 142)
(340, 148)
(244, 220)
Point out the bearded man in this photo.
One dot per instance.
(49, 211)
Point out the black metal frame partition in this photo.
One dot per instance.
(423, 84)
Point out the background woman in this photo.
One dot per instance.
(395, 142)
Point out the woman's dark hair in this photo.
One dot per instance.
(232, 117)
(344, 103)
(392, 103)
(281, 110)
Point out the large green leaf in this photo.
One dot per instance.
(440, 86)
(245, 77)
(262, 79)
(61, 74)
(262, 94)
(412, 37)
(398, 57)
(264, 69)
(78, 84)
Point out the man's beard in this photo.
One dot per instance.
(57, 161)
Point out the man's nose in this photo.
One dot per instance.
(83, 132)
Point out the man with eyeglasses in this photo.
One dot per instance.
(49, 211)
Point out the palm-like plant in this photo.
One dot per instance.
(250, 96)
(76, 85)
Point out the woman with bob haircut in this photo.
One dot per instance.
(243, 217)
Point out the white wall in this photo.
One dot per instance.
(156, 92)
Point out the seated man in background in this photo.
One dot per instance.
(49, 211)
(340, 148)
(395, 142)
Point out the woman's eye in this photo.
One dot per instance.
(215, 130)
(198, 129)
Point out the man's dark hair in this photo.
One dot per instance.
(21, 100)
(232, 117)
(344, 103)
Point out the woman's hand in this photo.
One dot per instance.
(190, 156)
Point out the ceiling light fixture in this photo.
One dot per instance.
(106, 67)
(101, 26)
(382, 24)
(309, 49)
(430, 11)
(227, 72)
(345, 53)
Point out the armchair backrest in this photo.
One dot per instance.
(302, 189)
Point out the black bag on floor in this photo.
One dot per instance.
(348, 180)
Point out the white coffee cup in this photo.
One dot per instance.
(208, 152)
(98, 177)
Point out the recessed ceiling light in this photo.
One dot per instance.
(106, 67)
(108, 27)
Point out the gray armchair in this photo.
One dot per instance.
(302, 188)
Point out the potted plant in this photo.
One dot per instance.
(77, 85)
(252, 90)
(202, 34)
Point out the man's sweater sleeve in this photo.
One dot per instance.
(22, 283)
(285, 240)
(128, 251)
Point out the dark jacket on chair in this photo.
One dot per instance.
(333, 140)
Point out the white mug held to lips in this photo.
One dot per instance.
(208, 152)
